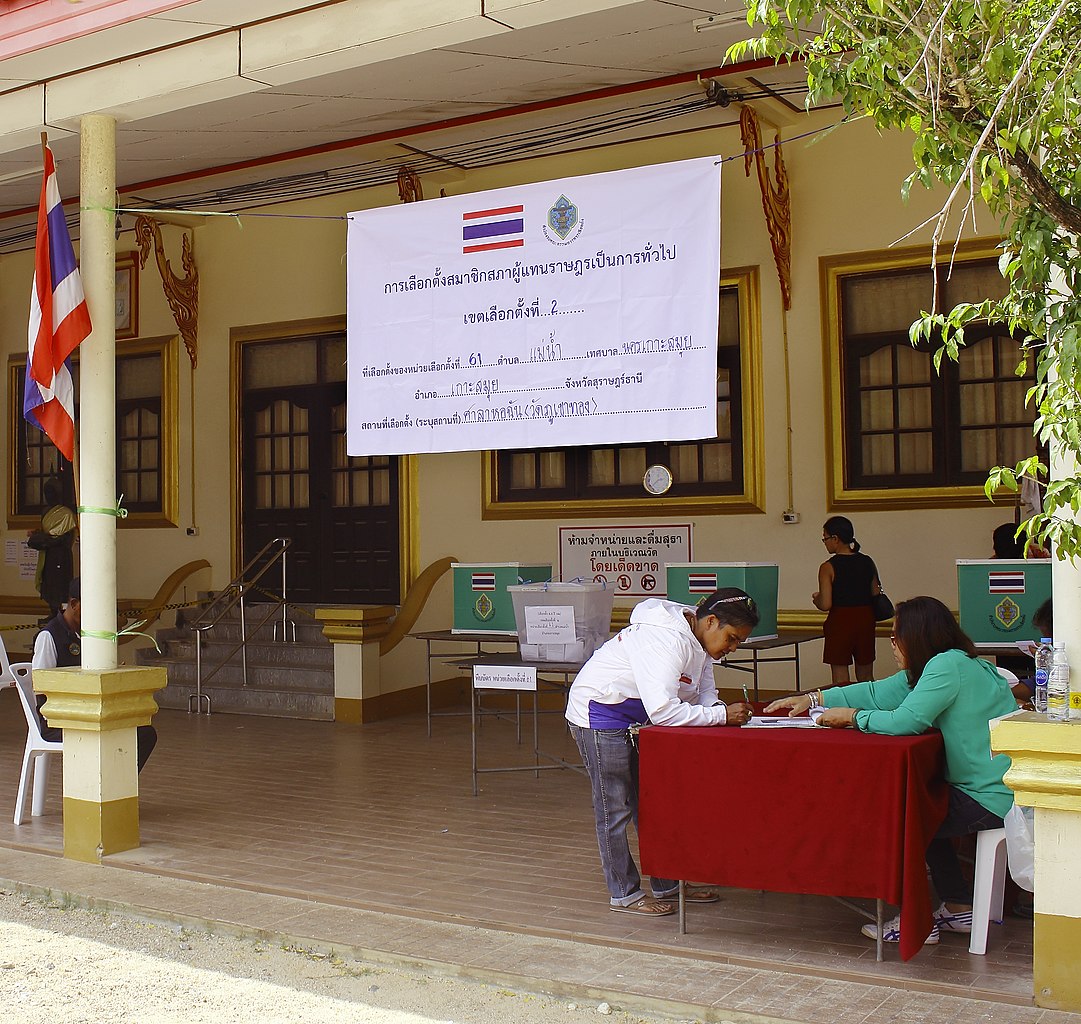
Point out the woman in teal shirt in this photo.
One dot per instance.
(943, 685)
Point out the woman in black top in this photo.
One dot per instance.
(846, 583)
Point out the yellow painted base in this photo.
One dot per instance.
(93, 830)
(349, 709)
(1056, 980)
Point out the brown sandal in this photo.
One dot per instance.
(645, 906)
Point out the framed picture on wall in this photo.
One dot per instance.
(127, 296)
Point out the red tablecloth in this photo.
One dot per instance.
(827, 811)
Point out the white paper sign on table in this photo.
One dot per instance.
(504, 677)
(549, 624)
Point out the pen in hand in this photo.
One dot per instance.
(746, 695)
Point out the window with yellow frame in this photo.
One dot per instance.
(146, 438)
(720, 474)
(901, 433)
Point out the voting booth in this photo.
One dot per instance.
(689, 582)
(562, 621)
(481, 601)
(996, 598)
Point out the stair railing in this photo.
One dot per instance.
(269, 555)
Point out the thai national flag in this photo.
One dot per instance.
(484, 581)
(1006, 582)
(502, 228)
(59, 321)
(701, 582)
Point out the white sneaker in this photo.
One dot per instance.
(948, 921)
(891, 932)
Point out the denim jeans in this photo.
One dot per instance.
(611, 761)
(964, 816)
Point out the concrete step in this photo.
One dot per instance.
(261, 676)
(241, 701)
(304, 630)
(214, 651)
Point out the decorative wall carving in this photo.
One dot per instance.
(776, 200)
(182, 293)
(410, 190)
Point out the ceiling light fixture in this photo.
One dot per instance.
(720, 21)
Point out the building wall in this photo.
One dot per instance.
(845, 198)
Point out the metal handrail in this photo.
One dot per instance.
(232, 595)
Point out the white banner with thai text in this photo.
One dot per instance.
(630, 558)
(569, 312)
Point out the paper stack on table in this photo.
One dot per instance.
(779, 722)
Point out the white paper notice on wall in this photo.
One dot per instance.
(576, 311)
(504, 677)
(11, 552)
(549, 624)
(28, 562)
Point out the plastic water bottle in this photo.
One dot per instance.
(1044, 654)
(1058, 686)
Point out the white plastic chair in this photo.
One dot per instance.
(6, 678)
(35, 761)
(989, 886)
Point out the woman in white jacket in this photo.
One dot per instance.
(657, 671)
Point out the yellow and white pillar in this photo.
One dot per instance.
(355, 633)
(1046, 775)
(99, 711)
(98, 706)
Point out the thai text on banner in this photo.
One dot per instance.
(577, 311)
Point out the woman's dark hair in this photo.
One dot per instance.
(924, 627)
(841, 528)
(52, 491)
(1043, 619)
(1005, 544)
(732, 606)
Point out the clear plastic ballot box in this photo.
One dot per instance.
(562, 621)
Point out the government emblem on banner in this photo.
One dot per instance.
(1008, 613)
(562, 220)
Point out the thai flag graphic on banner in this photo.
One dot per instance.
(1005, 582)
(59, 321)
(701, 582)
(503, 228)
(484, 581)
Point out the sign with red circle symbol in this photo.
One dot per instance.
(624, 582)
(600, 579)
(649, 582)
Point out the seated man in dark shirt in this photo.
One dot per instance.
(58, 646)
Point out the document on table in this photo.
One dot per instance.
(779, 722)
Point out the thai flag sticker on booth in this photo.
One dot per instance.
(1006, 582)
(701, 582)
(483, 581)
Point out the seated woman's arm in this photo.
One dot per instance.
(883, 693)
(934, 691)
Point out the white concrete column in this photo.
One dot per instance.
(1066, 582)
(97, 389)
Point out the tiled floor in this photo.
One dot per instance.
(380, 817)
